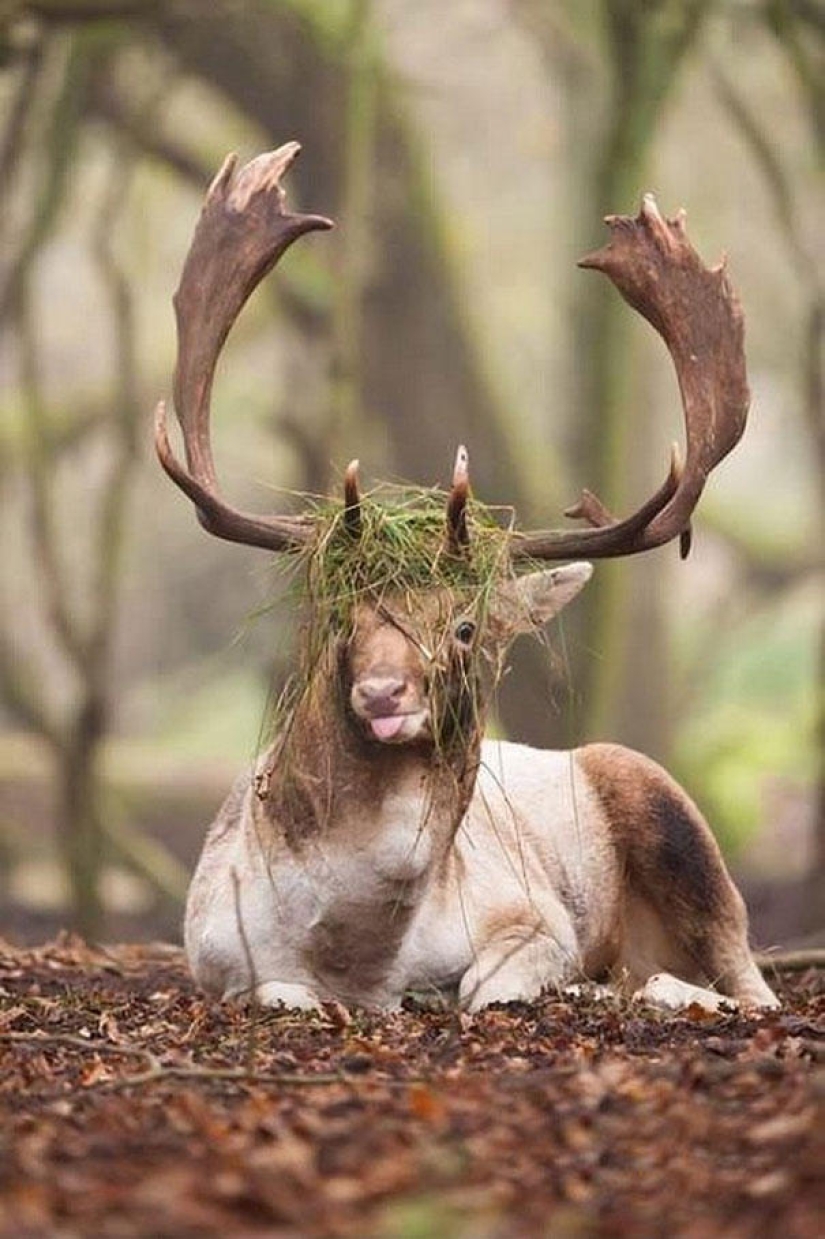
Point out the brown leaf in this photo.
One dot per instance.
(427, 1105)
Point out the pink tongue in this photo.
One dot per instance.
(386, 728)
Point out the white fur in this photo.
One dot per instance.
(669, 993)
(527, 894)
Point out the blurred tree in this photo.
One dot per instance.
(300, 67)
(639, 47)
(799, 28)
(623, 667)
(79, 608)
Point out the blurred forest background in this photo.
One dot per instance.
(468, 151)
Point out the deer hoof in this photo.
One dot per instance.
(284, 994)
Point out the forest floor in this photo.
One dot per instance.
(131, 1105)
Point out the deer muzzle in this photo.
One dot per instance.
(389, 707)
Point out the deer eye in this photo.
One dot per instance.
(464, 632)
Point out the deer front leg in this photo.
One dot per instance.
(277, 994)
(518, 959)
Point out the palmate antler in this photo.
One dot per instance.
(242, 232)
(698, 315)
(244, 229)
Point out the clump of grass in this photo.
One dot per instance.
(402, 548)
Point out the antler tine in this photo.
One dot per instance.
(458, 535)
(243, 230)
(352, 500)
(218, 517)
(698, 315)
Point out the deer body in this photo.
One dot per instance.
(361, 862)
(381, 844)
(533, 891)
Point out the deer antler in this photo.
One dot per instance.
(697, 313)
(352, 500)
(242, 232)
(458, 535)
(244, 229)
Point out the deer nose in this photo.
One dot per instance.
(379, 695)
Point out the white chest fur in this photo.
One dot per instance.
(330, 914)
(361, 911)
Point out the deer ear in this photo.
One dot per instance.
(528, 602)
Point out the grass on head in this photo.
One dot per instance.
(402, 548)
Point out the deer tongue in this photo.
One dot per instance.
(386, 728)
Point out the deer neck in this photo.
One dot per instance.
(368, 827)
(324, 779)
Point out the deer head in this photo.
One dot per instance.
(419, 670)
(412, 641)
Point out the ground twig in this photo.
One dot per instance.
(792, 961)
(157, 1070)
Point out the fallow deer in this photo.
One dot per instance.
(381, 844)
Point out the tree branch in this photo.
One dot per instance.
(13, 140)
(156, 1070)
(59, 138)
(145, 135)
(145, 854)
(40, 475)
(770, 164)
(18, 685)
(108, 547)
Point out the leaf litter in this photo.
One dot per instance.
(133, 1105)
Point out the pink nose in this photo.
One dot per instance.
(379, 695)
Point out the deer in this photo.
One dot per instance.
(381, 843)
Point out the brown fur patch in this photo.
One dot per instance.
(669, 855)
(510, 924)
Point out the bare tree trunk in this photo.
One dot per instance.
(804, 44)
(814, 365)
(79, 607)
(620, 667)
(79, 823)
(815, 918)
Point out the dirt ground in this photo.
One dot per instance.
(131, 1105)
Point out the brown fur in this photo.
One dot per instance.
(681, 908)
